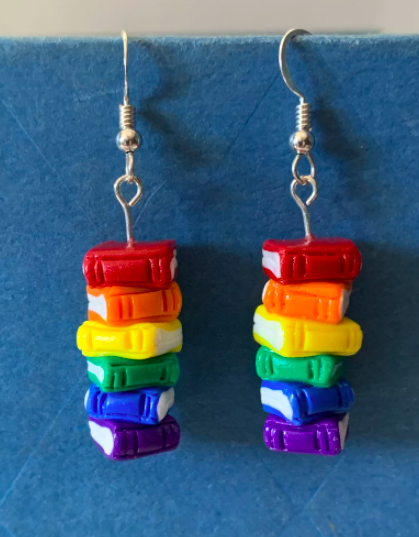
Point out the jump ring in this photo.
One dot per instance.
(303, 179)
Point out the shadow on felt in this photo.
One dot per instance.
(218, 394)
(384, 374)
(174, 84)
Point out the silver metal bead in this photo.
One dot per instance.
(302, 142)
(128, 140)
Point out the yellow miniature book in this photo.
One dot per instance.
(136, 341)
(294, 338)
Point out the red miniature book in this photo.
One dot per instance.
(151, 265)
(311, 259)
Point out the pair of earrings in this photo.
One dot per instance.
(132, 332)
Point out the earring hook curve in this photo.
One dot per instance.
(282, 58)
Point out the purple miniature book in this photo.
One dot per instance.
(325, 437)
(121, 440)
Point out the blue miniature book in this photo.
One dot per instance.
(147, 406)
(301, 403)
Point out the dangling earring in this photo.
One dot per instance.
(132, 331)
(301, 324)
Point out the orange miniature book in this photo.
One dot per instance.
(317, 301)
(127, 305)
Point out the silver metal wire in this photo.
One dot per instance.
(283, 66)
(303, 179)
(302, 141)
(126, 205)
(303, 117)
(129, 166)
(127, 140)
(303, 205)
(125, 42)
(126, 116)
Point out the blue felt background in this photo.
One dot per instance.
(215, 117)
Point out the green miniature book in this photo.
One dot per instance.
(114, 374)
(322, 370)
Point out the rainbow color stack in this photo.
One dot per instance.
(129, 341)
(304, 334)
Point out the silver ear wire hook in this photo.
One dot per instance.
(125, 42)
(302, 141)
(127, 140)
(283, 66)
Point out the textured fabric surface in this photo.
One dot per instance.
(215, 117)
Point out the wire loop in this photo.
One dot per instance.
(303, 205)
(129, 166)
(127, 205)
(303, 179)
